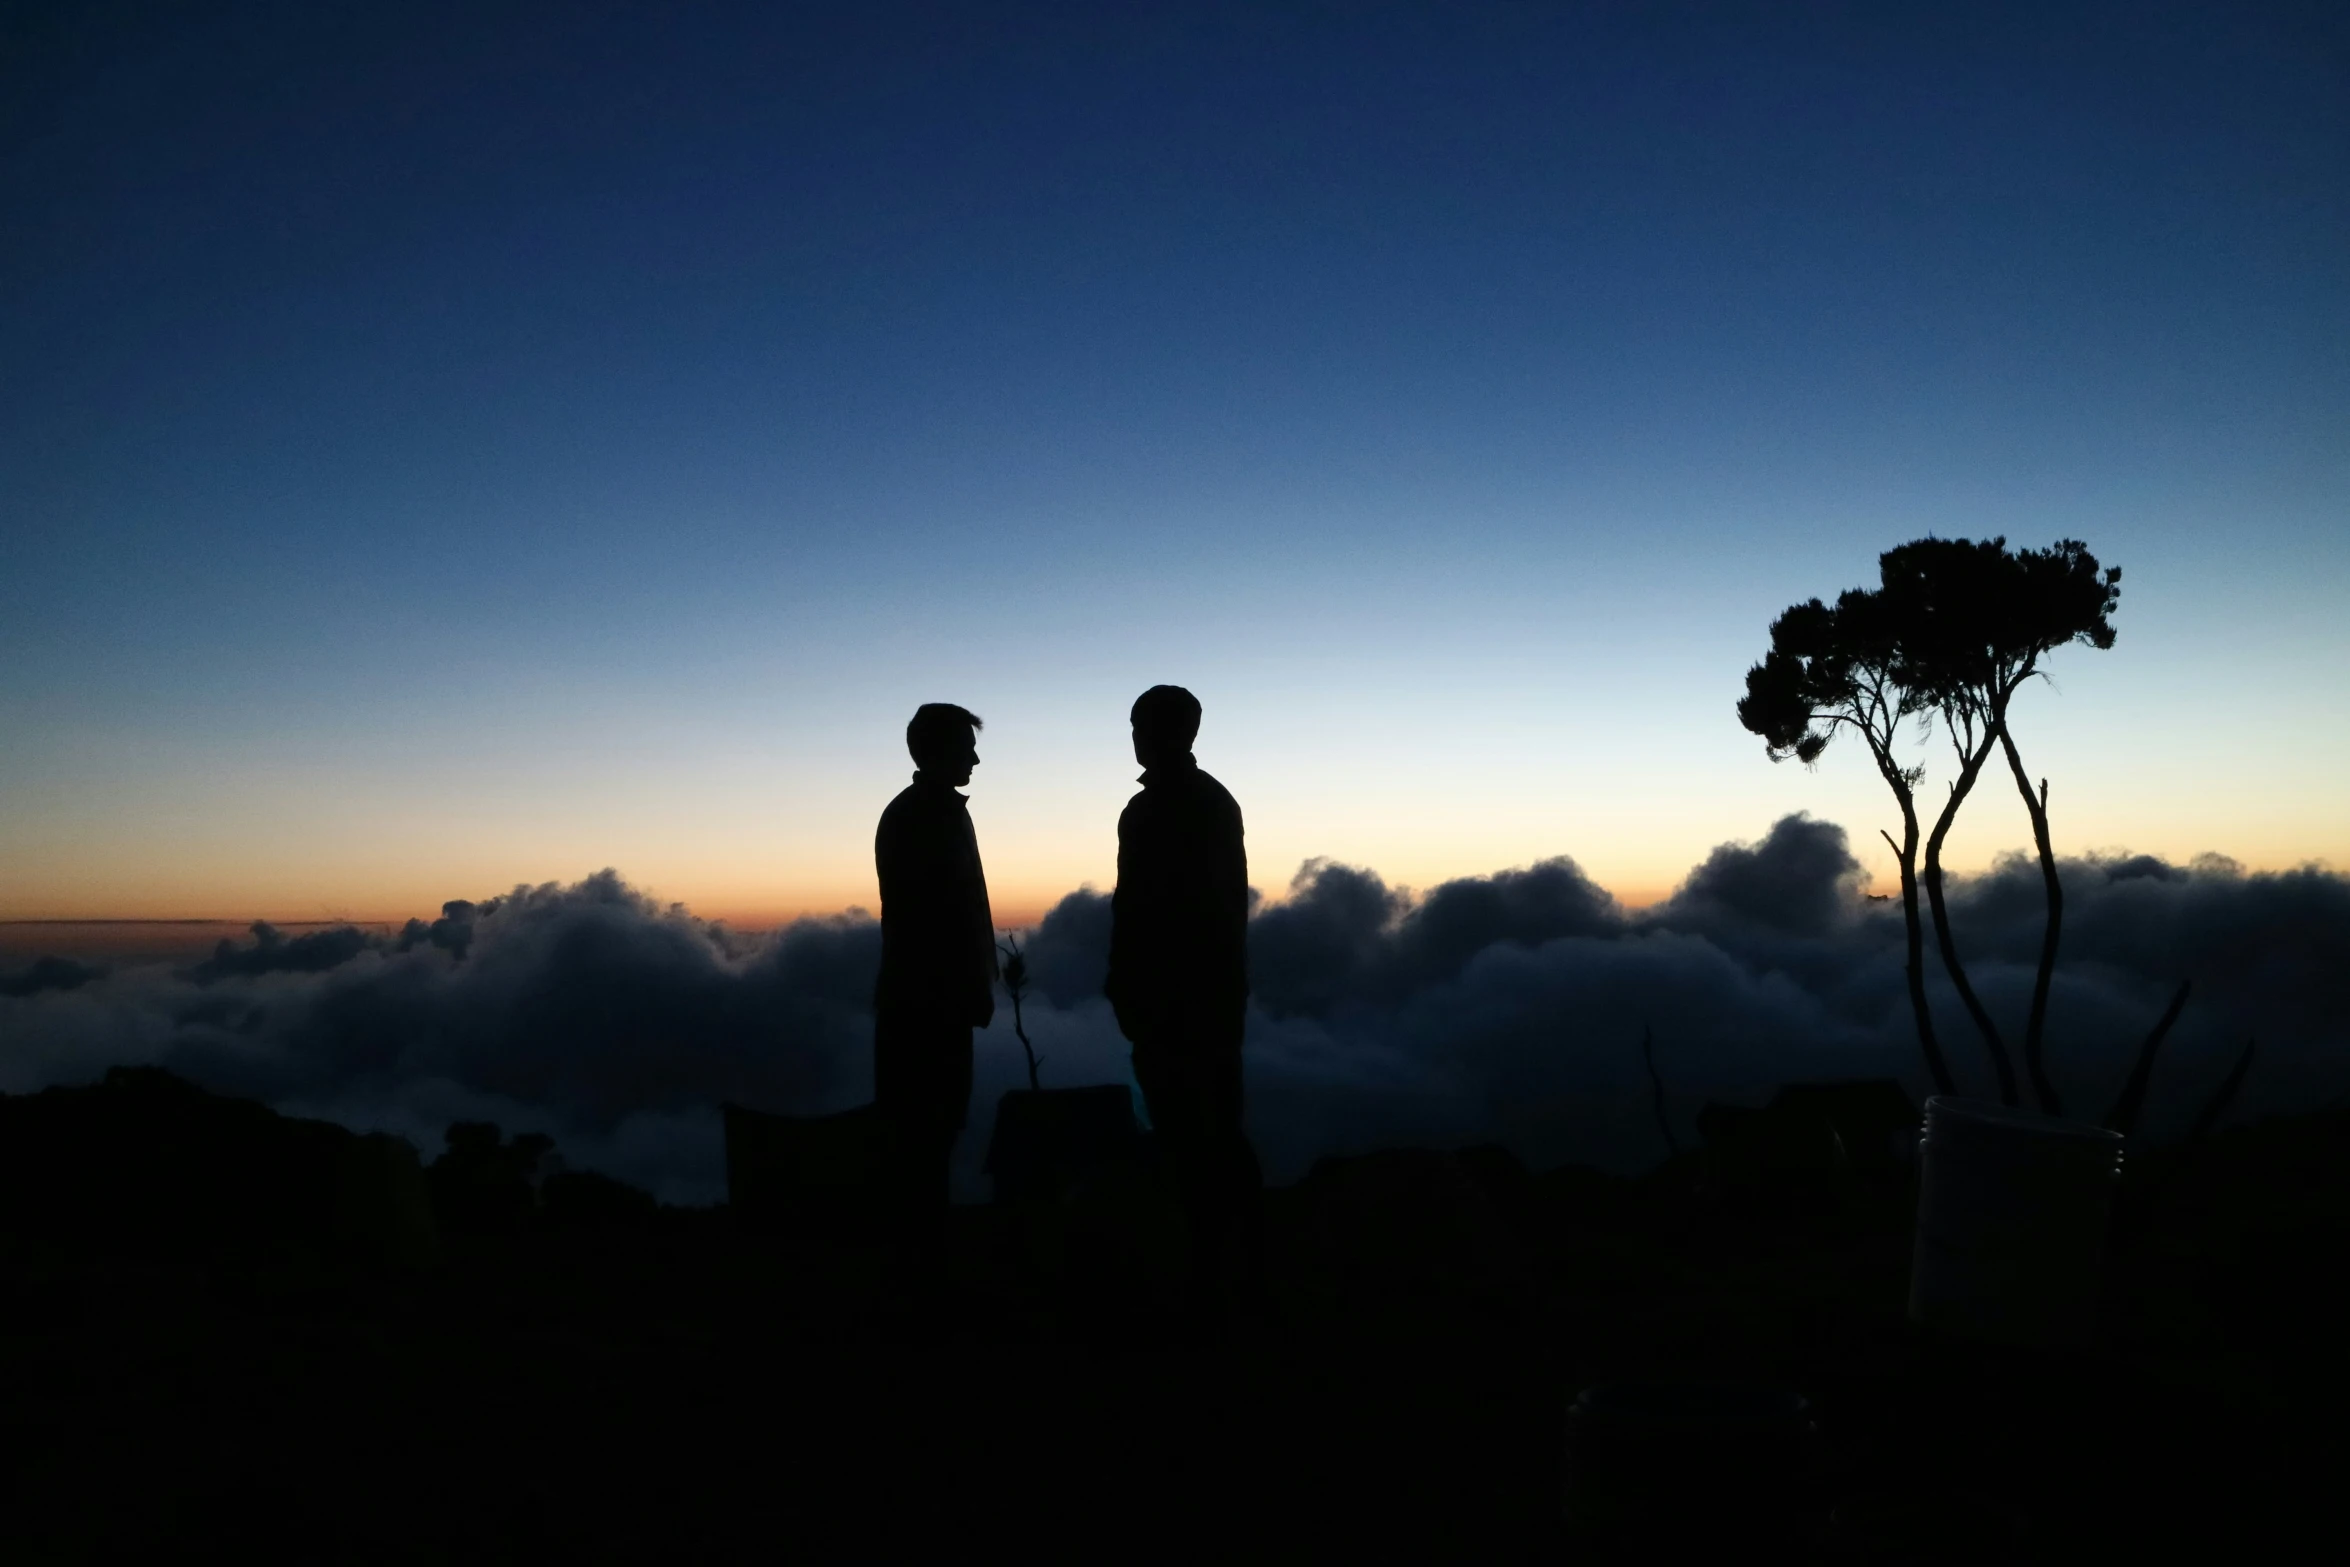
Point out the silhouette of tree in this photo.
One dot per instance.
(1842, 668)
(1975, 622)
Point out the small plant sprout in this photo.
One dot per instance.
(1016, 986)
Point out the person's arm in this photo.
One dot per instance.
(923, 905)
(889, 856)
(896, 866)
(978, 922)
(1236, 897)
(1124, 916)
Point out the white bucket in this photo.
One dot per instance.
(2012, 1214)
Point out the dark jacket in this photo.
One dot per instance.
(1179, 919)
(937, 936)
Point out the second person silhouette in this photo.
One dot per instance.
(1178, 980)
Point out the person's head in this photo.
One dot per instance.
(1166, 721)
(944, 740)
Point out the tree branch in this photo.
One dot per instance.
(1946, 942)
(1914, 960)
(2051, 931)
(2216, 1107)
(2123, 1117)
(1656, 1086)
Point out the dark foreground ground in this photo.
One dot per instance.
(661, 1385)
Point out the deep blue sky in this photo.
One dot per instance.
(483, 443)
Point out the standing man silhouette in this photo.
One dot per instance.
(1179, 983)
(937, 981)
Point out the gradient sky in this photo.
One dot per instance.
(483, 444)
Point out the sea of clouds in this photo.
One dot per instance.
(1507, 1008)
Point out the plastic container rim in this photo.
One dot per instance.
(1985, 1115)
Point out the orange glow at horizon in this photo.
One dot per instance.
(1019, 906)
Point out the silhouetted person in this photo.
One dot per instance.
(937, 980)
(1179, 982)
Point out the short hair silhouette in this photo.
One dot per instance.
(937, 725)
(1168, 710)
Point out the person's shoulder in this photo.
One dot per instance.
(1205, 786)
(906, 807)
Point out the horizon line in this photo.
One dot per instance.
(1634, 900)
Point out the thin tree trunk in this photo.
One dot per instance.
(2035, 1025)
(1967, 773)
(1912, 925)
(1913, 928)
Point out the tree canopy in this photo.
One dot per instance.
(1973, 619)
(1826, 668)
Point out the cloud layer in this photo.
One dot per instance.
(1501, 1008)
